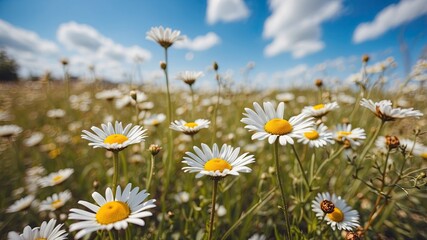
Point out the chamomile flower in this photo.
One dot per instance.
(338, 214)
(34, 139)
(189, 77)
(189, 128)
(56, 113)
(56, 178)
(109, 94)
(386, 112)
(154, 119)
(217, 163)
(47, 231)
(350, 137)
(319, 110)
(112, 212)
(114, 138)
(21, 204)
(318, 137)
(55, 201)
(9, 130)
(269, 123)
(164, 37)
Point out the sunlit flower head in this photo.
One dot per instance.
(56, 178)
(10, 131)
(112, 212)
(320, 110)
(189, 77)
(164, 37)
(386, 112)
(21, 204)
(154, 119)
(217, 162)
(338, 214)
(34, 139)
(189, 128)
(269, 123)
(56, 113)
(114, 138)
(319, 137)
(47, 231)
(344, 134)
(55, 201)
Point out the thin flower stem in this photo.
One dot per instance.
(150, 172)
(250, 211)
(307, 184)
(125, 167)
(116, 170)
(371, 141)
(110, 233)
(211, 221)
(325, 162)
(192, 102)
(282, 192)
(216, 107)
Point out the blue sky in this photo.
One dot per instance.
(289, 41)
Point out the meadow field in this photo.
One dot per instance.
(321, 162)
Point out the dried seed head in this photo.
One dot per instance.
(163, 65)
(327, 206)
(365, 58)
(154, 149)
(64, 61)
(352, 236)
(215, 66)
(318, 83)
(392, 141)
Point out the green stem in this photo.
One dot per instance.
(150, 172)
(211, 221)
(192, 102)
(282, 192)
(371, 141)
(116, 171)
(259, 204)
(325, 162)
(301, 168)
(125, 168)
(110, 233)
(216, 108)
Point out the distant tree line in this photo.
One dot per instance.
(8, 68)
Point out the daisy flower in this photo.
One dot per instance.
(109, 94)
(269, 123)
(386, 112)
(154, 119)
(112, 212)
(217, 163)
(189, 128)
(56, 178)
(114, 138)
(338, 214)
(47, 231)
(21, 204)
(318, 137)
(164, 37)
(9, 130)
(189, 77)
(34, 139)
(319, 110)
(350, 137)
(55, 201)
(56, 113)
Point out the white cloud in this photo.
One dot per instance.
(389, 18)
(31, 52)
(111, 59)
(199, 43)
(226, 11)
(294, 25)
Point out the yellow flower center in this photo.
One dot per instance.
(57, 204)
(57, 179)
(112, 212)
(312, 135)
(191, 125)
(41, 238)
(424, 155)
(217, 164)
(278, 126)
(341, 134)
(336, 215)
(115, 138)
(318, 106)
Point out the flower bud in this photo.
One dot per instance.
(154, 149)
(163, 65)
(365, 58)
(215, 66)
(318, 83)
(392, 142)
(133, 95)
(352, 236)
